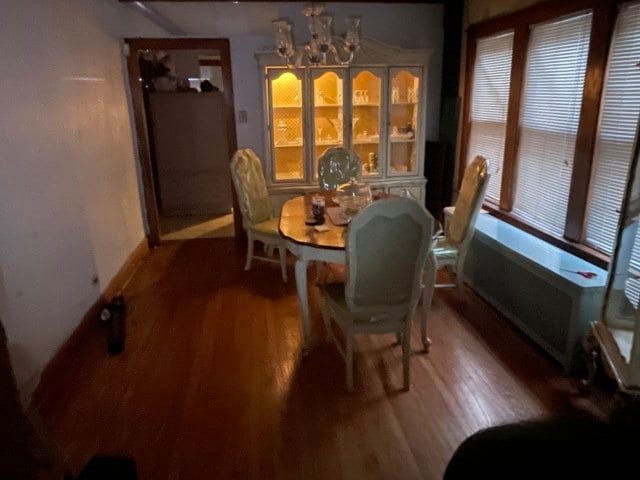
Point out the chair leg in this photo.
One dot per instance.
(348, 359)
(406, 347)
(460, 274)
(283, 261)
(247, 265)
(428, 287)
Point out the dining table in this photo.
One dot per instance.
(309, 243)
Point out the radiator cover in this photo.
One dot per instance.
(534, 284)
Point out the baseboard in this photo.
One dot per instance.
(89, 320)
(131, 264)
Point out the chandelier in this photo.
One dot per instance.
(322, 43)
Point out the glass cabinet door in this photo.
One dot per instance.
(287, 135)
(618, 330)
(404, 93)
(328, 111)
(366, 114)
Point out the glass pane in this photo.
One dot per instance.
(489, 104)
(327, 114)
(405, 88)
(288, 145)
(550, 111)
(621, 305)
(366, 100)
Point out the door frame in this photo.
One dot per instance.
(146, 155)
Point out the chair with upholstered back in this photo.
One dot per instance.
(337, 166)
(386, 247)
(450, 247)
(255, 206)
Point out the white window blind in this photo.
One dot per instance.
(489, 105)
(616, 133)
(550, 111)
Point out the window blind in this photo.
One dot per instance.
(616, 133)
(489, 105)
(550, 111)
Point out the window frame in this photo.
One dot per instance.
(519, 22)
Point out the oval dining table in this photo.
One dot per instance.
(309, 244)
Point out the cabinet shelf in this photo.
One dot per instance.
(401, 140)
(288, 145)
(366, 141)
(326, 105)
(287, 106)
(403, 104)
(355, 105)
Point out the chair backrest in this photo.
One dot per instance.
(387, 245)
(469, 202)
(250, 186)
(336, 166)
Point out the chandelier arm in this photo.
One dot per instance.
(337, 57)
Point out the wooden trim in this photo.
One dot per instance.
(466, 107)
(144, 153)
(210, 63)
(129, 267)
(143, 125)
(601, 32)
(512, 134)
(90, 320)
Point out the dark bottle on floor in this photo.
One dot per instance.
(116, 335)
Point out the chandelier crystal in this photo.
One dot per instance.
(322, 43)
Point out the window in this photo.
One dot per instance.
(550, 112)
(554, 102)
(489, 103)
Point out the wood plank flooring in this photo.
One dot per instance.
(212, 384)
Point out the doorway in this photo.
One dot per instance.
(182, 97)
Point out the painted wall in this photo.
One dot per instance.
(69, 202)
(479, 10)
(248, 28)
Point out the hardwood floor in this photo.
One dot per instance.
(212, 384)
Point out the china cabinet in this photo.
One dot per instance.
(376, 106)
(618, 329)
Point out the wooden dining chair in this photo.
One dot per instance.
(450, 245)
(386, 248)
(255, 206)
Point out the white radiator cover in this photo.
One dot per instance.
(534, 284)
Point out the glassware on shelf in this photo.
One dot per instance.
(282, 133)
(372, 162)
(395, 95)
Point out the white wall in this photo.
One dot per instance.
(248, 27)
(69, 201)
